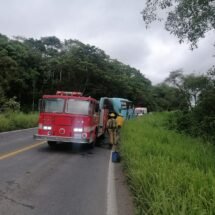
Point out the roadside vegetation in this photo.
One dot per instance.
(17, 120)
(168, 172)
(11, 118)
(196, 117)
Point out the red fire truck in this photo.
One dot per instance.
(71, 117)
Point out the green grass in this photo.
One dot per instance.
(13, 121)
(168, 173)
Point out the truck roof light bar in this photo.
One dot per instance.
(64, 93)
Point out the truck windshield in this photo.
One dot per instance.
(52, 105)
(75, 106)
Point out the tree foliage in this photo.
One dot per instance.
(33, 67)
(199, 93)
(167, 98)
(190, 86)
(186, 19)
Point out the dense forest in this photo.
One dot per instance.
(31, 67)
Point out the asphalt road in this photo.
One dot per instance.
(35, 179)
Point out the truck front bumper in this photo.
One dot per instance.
(61, 139)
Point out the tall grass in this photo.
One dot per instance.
(12, 120)
(168, 173)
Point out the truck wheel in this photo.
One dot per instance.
(96, 141)
(92, 145)
(52, 144)
(100, 140)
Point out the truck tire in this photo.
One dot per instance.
(92, 145)
(95, 141)
(52, 144)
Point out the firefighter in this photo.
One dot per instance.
(112, 130)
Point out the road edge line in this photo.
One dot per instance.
(111, 191)
(14, 131)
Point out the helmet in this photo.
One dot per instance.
(112, 115)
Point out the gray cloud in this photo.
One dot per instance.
(114, 26)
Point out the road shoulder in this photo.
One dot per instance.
(125, 204)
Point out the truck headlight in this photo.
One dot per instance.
(48, 128)
(78, 129)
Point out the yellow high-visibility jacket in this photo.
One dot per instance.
(119, 120)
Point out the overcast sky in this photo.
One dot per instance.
(116, 26)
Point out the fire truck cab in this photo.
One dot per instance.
(70, 117)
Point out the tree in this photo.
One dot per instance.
(32, 67)
(167, 98)
(176, 79)
(2, 97)
(11, 105)
(186, 19)
(190, 86)
(195, 85)
(199, 92)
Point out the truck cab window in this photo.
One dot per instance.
(75, 106)
(52, 105)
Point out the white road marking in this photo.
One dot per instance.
(14, 131)
(111, 191)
